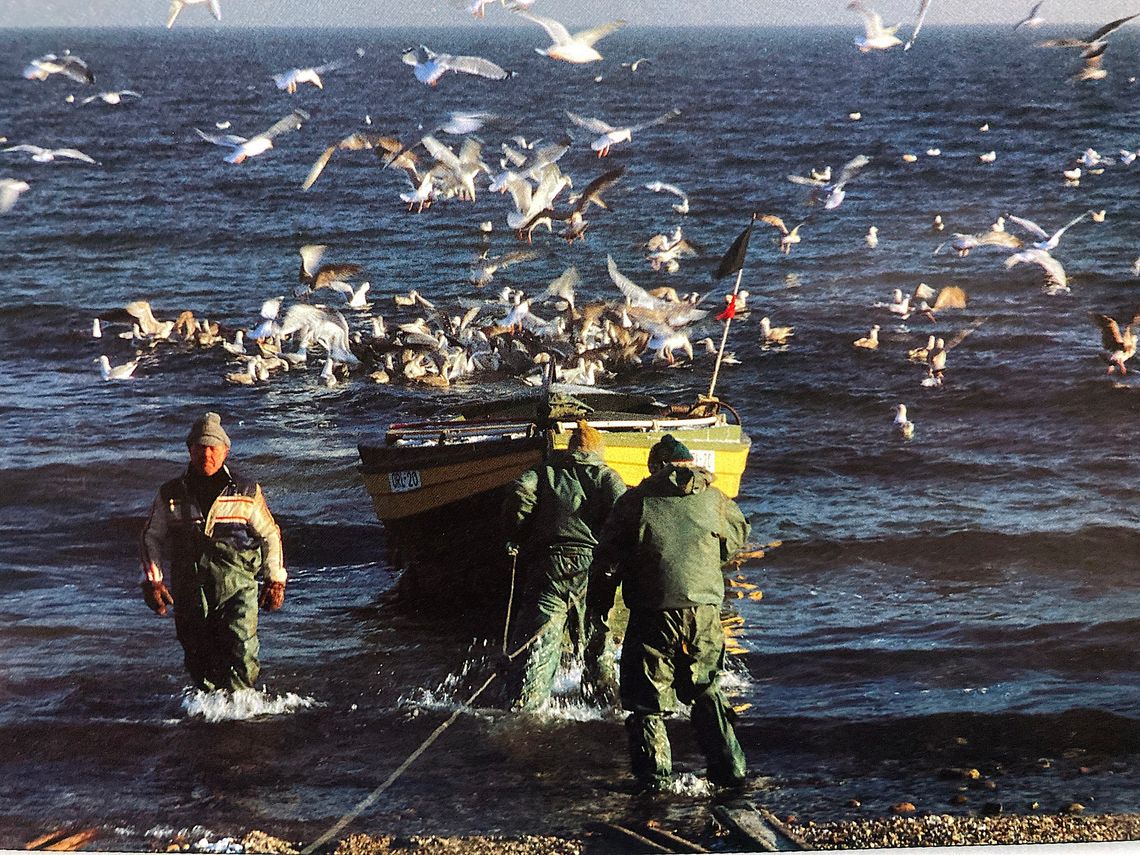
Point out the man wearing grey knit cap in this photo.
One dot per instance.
(215, 536)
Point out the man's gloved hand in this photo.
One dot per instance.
(157, 596)
(512, 549)
(273, 596)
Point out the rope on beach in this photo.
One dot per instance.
(371, 798)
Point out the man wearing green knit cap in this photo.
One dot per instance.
(665, 542)
(215, 536)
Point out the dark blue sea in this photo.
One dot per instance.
(967, 598)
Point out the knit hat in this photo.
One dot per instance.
(208, 431)
(669, 450)
(586, 438)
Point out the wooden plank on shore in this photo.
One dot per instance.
(673, 839)
(748, 822)
(650, 845)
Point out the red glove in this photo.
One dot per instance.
(273, 596)
(157, 596)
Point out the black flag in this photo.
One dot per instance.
(733, 260)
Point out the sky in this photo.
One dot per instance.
(378, 13)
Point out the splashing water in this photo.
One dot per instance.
(241, 705)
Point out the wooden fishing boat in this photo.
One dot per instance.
(438, 485)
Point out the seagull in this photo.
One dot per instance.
(176, 7)
(1092, 69)
(48, 155)
(770, 335)
(663, 311)
(1048, 241)
(242, 148)
(608, 135)
(355, 298)
(835, 191)
(67, 65)
(788, 237)
(431, 66)
(1118, 346)
(1057, 281)
(921, 354)
(483, 270)
(10, 190)
(576, 224)
(872, 237)
(903, 426)
(632, 66)
(112, 98)
(870, 341)
(289, 80)
(987, 157)
(576, 48)
(118, 372)
(1091, 43)
(963, 243)
(659, 186)
(876, 36)
(315, 275)
(1032, 20)
(385, 147)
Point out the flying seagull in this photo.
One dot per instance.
(681, 207)
(10, 190)
(875, 35)
(288, 81)
(608, 135)
(48, 155)
(112, 98)
(1119, 346)
(67, 65)
(431, 66)
(176, 7)
(242, 148)
(788, 237)
(835, 191)
(1048, 241)
(1092, 42)
(576, 48)
(1032, 20)
(384, 146)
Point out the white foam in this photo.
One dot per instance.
(241, 705)
(690, 784)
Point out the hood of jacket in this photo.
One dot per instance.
(676, 480)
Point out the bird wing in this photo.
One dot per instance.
(73, 153)
(175, 8)
(660, 120)
(318, 167)
(850, 169)
(1110, 337)
(591, 124)
(332, 65)
(950, 297)
(311, 254)
(592, 191)
(330, 273)
(922, 10)
(773, 220)
(1109, 28)
(563, 286)
(77, 70)
(1032, 14)
(1031, 226)
(1052, 267)
(476, 65)
(289, 123)
(216, 9)
(994, 238)
(588, 37)
(811, 182)
(962, 334)
(229, 140)
(557, 32)
(634, 293)
(1057, 234)
(872, 21)
(441, 153)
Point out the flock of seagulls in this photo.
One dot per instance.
(552, 331)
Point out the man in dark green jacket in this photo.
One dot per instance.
(556, 511)
(665, 543)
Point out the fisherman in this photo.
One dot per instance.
(214, 533)
(665, 542)
(555, 512)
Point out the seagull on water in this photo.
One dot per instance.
(903, 426)
(870, 341)
(48, 155)
(117, 372)
(770, 335)
(68, 65)
(1119, 346)
(576, 48)
(608, 135)
(242, 148)
(176, 7)
(431, 66)
(10, 190)
(835, 191)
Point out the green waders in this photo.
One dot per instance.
(215, 614)
(554, 600)
(672, 655)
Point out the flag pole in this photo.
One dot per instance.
(724, 335)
